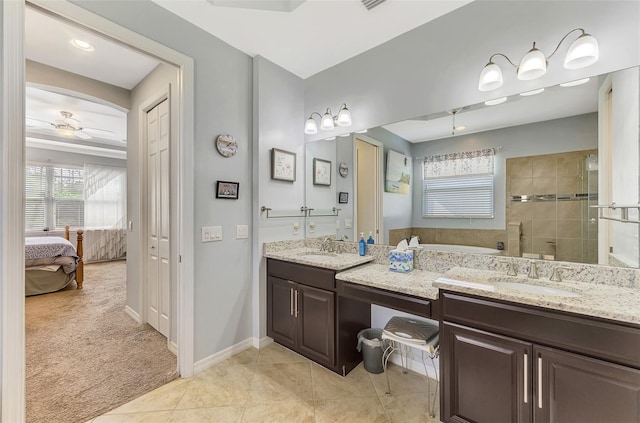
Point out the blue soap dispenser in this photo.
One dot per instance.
(362, 245)
(371, 240)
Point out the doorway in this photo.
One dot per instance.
(13, 401)
(368, 188)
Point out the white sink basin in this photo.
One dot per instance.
(535, 289)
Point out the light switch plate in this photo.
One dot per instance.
(211, 233)
(242, 231)
(348, 224)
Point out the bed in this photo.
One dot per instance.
(52, 263)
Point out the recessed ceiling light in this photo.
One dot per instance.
(495, 101)
(82, 45)
(361, 131)
(345, 135)
(533, 92)
(460, 128)
(575, 83)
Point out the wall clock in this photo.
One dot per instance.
(226, 145)
(343, 169)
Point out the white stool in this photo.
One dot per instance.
(404, 333)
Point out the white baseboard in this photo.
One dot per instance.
(133, 314)
(260, 343)
(220, 356)
(173, 347)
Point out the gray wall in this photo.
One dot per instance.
(435, 67)
(222, 104)
(278, 116)
(553, 136)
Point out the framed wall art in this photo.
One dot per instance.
(283, 165)
(228, 190)
(321, 172)
(343, 197)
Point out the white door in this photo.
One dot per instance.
(158, 269)
(369, 190)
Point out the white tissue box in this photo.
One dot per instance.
(401, 261)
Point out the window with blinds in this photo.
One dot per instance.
(54, 197)
(458, 185)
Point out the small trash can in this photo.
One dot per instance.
(371, 344)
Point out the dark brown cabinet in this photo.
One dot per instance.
(501, 362)
(486, 376)
(305, 314)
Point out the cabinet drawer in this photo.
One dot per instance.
(307, 275)
(402, 302)
(610, 341)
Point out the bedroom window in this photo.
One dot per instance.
(458, 185)
(54, 197)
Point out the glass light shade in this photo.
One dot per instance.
(344, 117)
(533, 65)
(326, 123)
(310, 126)
(65, 131)
(490, 77)
(582, 52)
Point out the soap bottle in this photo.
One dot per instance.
(362, 245)
(371, 240)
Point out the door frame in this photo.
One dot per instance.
(604, 166)
(380, 190)
(12, 197)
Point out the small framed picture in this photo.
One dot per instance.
(283, 165)
(321, 172)
(228, 190)
(343, 197)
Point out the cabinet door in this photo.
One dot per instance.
(316, 324)
(281, 322)
(574, 388)
(485, 377)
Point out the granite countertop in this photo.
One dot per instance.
(416, 282)
(317, 258)
(597, 300)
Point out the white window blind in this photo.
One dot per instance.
(54, 197)
(458, 185)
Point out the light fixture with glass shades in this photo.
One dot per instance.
(582, 53)
(328, 121)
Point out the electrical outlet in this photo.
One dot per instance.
(211, 233)
(242, 231)
(348, 224)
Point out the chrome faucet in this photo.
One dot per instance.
(533, 270)
(327, 245)
(556, 276)
(511, 267)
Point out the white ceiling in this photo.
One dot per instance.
(316, 34)
(554, 103)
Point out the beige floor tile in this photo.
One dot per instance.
(401, 383)
(279, 382)
(350, 410)
(248, 357)
(280, 412)
(328, 385)
(218, 386)
(410, 408)
(148, 417)
(165, 397)
(208, 415)
(275, 353)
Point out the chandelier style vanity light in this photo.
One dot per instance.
(582, 53)
(328, 121)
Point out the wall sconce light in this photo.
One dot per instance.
(582, 53)
(328, 121)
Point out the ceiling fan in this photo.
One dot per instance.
(69, 126)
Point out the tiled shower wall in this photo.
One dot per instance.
(566, 229)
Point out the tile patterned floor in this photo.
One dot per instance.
(275, 384)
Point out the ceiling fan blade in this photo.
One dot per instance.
(36, 123)
(82, 135)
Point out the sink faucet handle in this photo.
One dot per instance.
(511, 267)
(533, 270)
(556, 276)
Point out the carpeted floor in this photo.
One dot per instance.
(85, 355)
